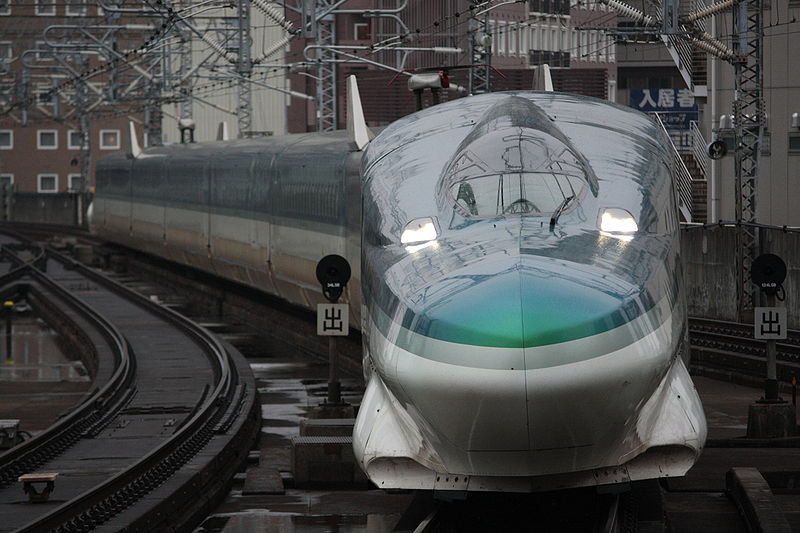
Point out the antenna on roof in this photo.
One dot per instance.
(357, 130)
(132, 149)
(541, 79)
(222, 131)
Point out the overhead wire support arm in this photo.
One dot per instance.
(709, 11)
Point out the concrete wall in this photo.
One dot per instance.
(62, 208)
(710, 271)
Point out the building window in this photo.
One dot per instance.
(76, 8)
(6, 51)
(794, 143)
(47, 183)
(6, 90)
(75, 182)
(6, 139)
(612, 49)
(46, 7)
(501, 38)
(6, 180)
(74, 140)
(362, 31)
(512, 39)
(109, 139)
(601, 47)
(45, 96)
(47, 139)
(5, 7)
(524, 36)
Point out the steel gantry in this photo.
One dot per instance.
(746, 56)
(326, 70)
(480, 43)
(749, 115)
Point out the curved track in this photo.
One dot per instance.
(172, 411)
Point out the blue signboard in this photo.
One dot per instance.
(676, 107)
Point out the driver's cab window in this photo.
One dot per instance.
(531, 193)
(514, 171)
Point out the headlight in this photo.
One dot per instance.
(418, 231)
(616, 222)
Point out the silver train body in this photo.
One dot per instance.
(516, 277)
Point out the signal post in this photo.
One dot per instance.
(771, 416)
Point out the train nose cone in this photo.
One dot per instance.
(523, 302)
(474, 331)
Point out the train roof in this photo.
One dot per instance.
(334, 143)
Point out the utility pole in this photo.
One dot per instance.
(184, 50)
(153, 114)
(748, 113)
(244, 68)
(481, 48)
(326, 70)
(81, 108)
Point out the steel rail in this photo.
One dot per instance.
(736, 337)
(58, 437)
(99, 504)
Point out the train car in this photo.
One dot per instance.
(516, 274)
(260, 212)
(524, 323)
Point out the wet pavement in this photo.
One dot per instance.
(291, 386)
(38, 382)
(725, 405)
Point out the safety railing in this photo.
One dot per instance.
(683, 179)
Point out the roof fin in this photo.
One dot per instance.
(541, 78)
(222, 131)
(132, 149)
(357, 130)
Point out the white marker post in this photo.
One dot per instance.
(770, 325)
(333, 320)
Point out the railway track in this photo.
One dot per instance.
(172, 411)
(728, 350)
(724, 349)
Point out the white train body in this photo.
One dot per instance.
(517, 280)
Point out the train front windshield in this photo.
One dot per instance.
(515, 172)
(532, 193)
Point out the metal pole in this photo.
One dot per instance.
(244, 68)
(771, 383)
(8, 305)
(334, 387)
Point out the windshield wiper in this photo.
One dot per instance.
(560, 209)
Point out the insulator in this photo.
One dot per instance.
(711, 10)
(273, 12)
(278, 45)
(723, 53)
(629, 11)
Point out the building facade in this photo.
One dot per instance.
(44, 145)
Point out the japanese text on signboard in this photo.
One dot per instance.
(770, 323)
(332, 319)
(676, 107)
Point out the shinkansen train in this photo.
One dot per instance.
(516, 278)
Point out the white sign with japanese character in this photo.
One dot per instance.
(770, 323)
(333, 319)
